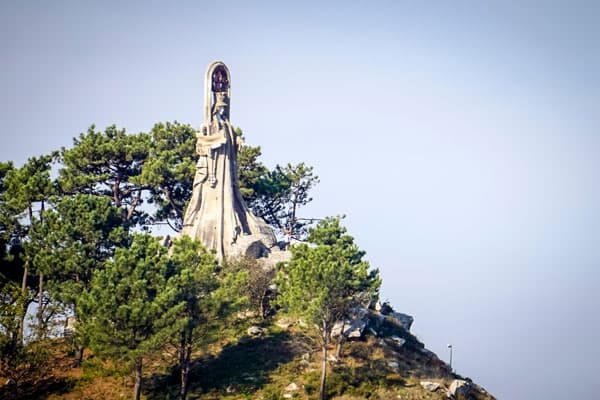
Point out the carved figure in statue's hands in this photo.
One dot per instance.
(221, 108)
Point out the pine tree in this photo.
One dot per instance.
(25, 195)
(108, 163)
(77, 236)
(322, 282)
(131, 309)
(196, 284)
(169, 171)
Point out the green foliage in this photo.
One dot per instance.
(255, 282)
(251, 172)
(95, 368)
(277, 195)
(195, 281)
(24, 362)
(73, 234)
(130, 310)
(168, 171)
(146, 298)
(76, 238)
(108, 163)
(320, 283)
(24, 188)
(6, 217)
(25, 193)
(158, 168)
(10, 318)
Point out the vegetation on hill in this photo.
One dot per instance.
(163, 319)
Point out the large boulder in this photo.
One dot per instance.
(355, 331)
(403, 320)
(251, 246)
(338, 327)
(354, 328)
(459, 389)
(276, 256)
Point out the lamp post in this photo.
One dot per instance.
(450, 347)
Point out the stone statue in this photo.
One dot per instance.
(217, 213)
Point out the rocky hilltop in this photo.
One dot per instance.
(272, 358)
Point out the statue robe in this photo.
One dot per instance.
(217, 213)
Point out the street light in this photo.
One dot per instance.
(450, 347)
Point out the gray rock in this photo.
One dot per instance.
(337, 328)
(355, 331)
(351, 329)
(458, 388)
(398, 341)
(393, 364)
(284, 323)
(403, 320)
(384, 308)
(246, 314)
(291, 387)
(430, 386)
(255, 331)
(378, 320)
(276, 256)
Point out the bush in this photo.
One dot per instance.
(24, 364)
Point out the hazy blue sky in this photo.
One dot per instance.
(461, 139)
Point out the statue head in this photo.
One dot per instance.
(220, 81)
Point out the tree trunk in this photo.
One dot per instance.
(137, 376)
(338, 352)
(24, 303)
(324, 361)
(263, 304)
(134, 204)
(40, 314)
(323, 371)
(293, 216)
(184, 362)
(78, 356)
(40, 311)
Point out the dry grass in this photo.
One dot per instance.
(258, 368)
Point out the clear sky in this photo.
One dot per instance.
(461, 140)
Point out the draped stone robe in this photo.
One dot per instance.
(217, 213)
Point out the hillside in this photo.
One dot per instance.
(264, 359)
